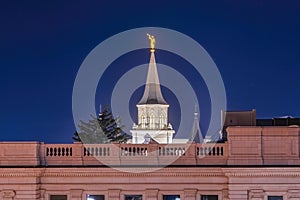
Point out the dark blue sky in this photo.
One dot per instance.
(255, 45)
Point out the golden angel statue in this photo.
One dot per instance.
(152, 42)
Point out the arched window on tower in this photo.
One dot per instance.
(143, 121)
(161, 121)
(152, 121)
(148, 122)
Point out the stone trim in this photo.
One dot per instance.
(267, 172)
(152, 194)
(164, 172)
(114, 194)
(190, 194)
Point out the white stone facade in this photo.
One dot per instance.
(152, 121)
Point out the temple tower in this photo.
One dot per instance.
(152, 109)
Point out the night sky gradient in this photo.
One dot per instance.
(255, 45)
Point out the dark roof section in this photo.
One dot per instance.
(278, 122)
(239, 118)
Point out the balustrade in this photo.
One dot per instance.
(59, 151)
(171, 150)
(133, 151)
(96, 150)
(88, 154)
(208, 150)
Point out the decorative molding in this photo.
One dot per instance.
(76, 193)
(151, 193)
(256, 194)
(225, 194)
(151, 172)
(293, 194)
(262, 171)
(190, 194)
(114, 194)
(164, 172)
(42, 194)
(8, 194)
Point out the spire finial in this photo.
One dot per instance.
(152, 42)
(196, 113)
(196, 134)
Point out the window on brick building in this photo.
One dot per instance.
(209, 197)
(95, 197)
(58, 197)
(171, 197)
(275, 198)
(133, 197)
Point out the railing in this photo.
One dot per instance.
(246, 146)
(205, 150)
(171, 150)
(133, 150)
(58, 151)
(96, 150)
(117, 154)
(54, 150)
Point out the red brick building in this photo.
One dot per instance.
(257, 162)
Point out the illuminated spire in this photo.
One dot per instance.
(152, 123)
(152, 93)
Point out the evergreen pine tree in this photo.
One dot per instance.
(103, 129)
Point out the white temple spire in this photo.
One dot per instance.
(152, 93)
(152, 109)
